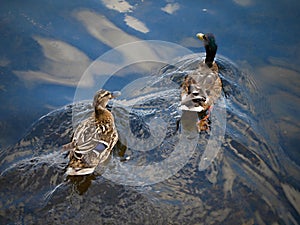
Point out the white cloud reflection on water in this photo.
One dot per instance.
(136, 24)
(108, 33)
(63, 64)
(171, 8)
(103, 29)
(281, 86)
(125, 7)
(118, 5)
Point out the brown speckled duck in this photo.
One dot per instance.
(94, 138)
(203, 86)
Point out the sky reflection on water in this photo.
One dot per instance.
(46, 46)
(51, 52)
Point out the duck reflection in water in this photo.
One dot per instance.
(81, 183)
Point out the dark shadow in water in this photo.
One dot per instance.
(81, 183)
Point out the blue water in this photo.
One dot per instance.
(46, 46)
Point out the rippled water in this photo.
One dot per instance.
(248, 182)
(253, 173)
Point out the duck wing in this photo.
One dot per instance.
(200, 89)
(91, 136)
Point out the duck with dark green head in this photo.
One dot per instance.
(203, 86)
(211, 47)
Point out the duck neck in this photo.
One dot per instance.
(100, 110)
(210, 54)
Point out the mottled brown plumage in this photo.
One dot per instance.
(202, 87)
(93, 139)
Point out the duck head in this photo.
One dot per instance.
(102, 97)
(210, 47)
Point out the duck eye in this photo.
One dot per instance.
(106, 94)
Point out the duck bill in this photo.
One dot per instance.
(200, 36)
(116, 94)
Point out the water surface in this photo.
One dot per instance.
(45, 49)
